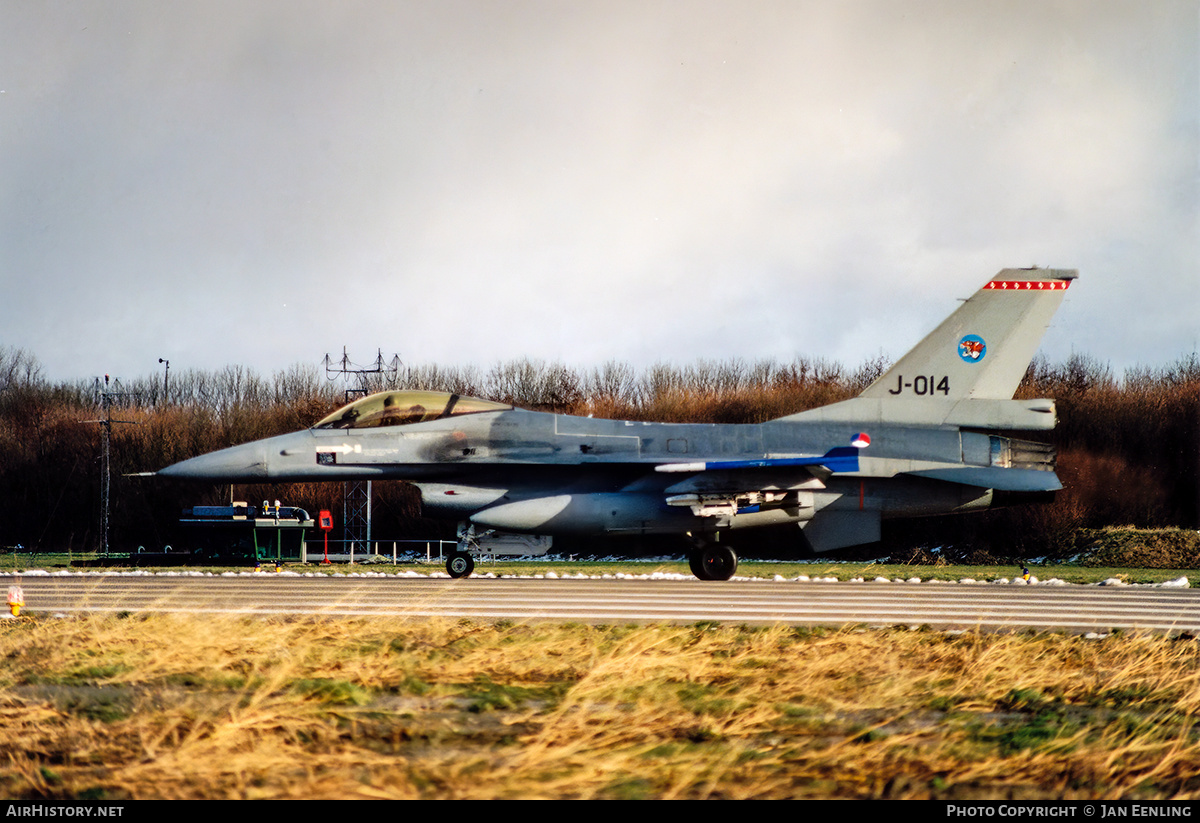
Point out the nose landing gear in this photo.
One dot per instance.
(460, 564)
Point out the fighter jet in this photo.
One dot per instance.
(930, 436)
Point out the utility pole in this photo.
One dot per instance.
(356, 494)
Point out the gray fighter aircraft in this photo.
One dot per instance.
(926, 438)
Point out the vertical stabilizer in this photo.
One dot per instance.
(981, 351)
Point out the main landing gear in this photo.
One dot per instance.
(713, 561)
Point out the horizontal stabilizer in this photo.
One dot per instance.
(993, 477)
(839, 459)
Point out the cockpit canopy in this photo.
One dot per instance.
(399, 408)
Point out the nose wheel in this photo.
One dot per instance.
(460, 564)
(714, 561)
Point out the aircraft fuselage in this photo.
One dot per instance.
(537, 472)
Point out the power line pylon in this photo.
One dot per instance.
(356, 494)
(104, 398)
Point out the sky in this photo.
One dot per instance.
(465, 182)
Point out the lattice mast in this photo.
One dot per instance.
(105, 395)
(356, 494)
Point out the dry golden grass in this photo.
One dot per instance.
(196, 707)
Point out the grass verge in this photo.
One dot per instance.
(174, 706)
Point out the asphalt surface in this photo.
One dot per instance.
(987, 606)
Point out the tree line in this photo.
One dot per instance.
(1129, 446)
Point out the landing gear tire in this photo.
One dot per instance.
(460, 564)
(715, 562)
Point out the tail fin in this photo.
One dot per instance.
(982, 351)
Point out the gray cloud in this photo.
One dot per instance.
(262, 183)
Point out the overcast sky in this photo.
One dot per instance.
(265, 182)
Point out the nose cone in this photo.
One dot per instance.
(247, 462)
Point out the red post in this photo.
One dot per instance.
(325, 521)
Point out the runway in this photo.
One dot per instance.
(986, 606)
